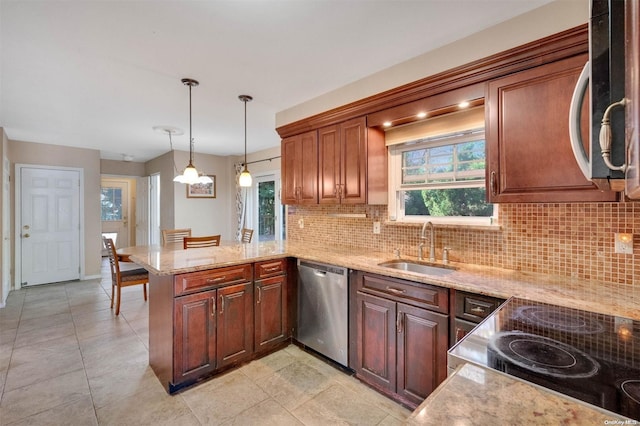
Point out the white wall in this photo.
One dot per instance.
(86, 159)
(205, 216)
(552, 18)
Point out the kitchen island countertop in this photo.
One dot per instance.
(589, 295)
(474, 395)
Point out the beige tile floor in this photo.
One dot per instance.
(65, 359)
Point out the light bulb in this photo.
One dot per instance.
(190, 175)
(245, 180)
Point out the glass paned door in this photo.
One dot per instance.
(269, 209)
(114, 205)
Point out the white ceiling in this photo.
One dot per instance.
(101, 74)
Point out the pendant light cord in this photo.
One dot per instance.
(190, 138)
(245, 135)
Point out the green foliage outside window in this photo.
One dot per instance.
(449, 180)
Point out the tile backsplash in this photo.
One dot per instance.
(573, 239)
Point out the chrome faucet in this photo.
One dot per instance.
(432, 243)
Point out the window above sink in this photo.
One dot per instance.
(437, 170)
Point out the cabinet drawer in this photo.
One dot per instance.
(417, 294)
(475, 307)
(198, 281)
(270, 268)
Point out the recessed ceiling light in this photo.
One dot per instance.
(421, 115)
(386, 124)
(463, 104)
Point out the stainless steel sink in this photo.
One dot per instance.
(420, 268)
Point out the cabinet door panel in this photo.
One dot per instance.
(308, 168)
(329, 157)
(270, 312)
(529, 152)
(195, 336)
(354, 161)
(235, 323)
(289, 170)
(376, 344)
(422, 351)
(299, 167)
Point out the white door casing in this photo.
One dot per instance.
(48, 233)
(5, 232)
(142, 210)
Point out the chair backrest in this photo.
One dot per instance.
(246, 235)
(113, 259)
(174, 235)
(195, 242)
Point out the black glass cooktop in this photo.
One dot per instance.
(592, 357)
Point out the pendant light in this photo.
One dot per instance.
(245, 177)
(190, 174)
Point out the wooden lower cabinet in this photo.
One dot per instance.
(271, 325)
(235, 324)
(195, 336)
(422, 344)
(401, 349)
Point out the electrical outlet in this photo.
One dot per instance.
(376, 227)
(300, 223)
(624, 243)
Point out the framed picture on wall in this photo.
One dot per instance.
(202, 190)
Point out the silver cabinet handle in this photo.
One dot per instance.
(605, 136)
(259, 295)
(221, 304)
(396, 290)
(492, 183)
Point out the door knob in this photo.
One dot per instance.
(26, 235)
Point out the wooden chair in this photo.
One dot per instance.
(195, 242)
(123, 277)
(174, 235)
(246, 235)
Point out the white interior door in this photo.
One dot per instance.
(142, 210)
(114, 200)
(49, 225)
(6, 240)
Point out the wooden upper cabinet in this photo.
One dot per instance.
(300, 169)
(343, 163)
(528, 149)
(632, 92)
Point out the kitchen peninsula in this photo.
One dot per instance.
(195, 284)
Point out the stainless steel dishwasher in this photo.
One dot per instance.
(323, 311)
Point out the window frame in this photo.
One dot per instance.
(397, 188)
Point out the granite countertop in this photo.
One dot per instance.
(474, 395)
(594, 296)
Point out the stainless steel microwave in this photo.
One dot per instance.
(603, 78)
